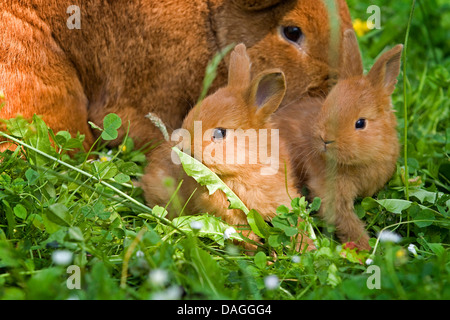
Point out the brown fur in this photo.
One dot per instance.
(243, 104)
(141, 56)
(358, 162)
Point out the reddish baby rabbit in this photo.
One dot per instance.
(347, 145)
(233, 121)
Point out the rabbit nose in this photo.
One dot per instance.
(326, 142)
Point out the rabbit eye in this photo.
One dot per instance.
(292, 33)
(360, 124)
(219, 134)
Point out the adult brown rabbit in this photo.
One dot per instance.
(135, 57)
(232, 123)
(347, 145)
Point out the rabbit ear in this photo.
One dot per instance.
(239, 69)
(386, 69)
(254, 5)
(266, 92)
(351, 56)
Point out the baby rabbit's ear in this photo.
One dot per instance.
(266, 92)
(239, 69)
(385, 71)
(351, 56)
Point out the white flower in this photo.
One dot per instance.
(296, 259)
(271, 282)
(227, 234)
(171, 293)
(107, 157)
(62, 257)
(196, 225)
(139, 254)
(412, 248)
(159, 277)
(389, 236)
(369, 261)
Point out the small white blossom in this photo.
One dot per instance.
(271, 282)
(228, 232)
(412, 248)
(62, 257)
(196, 225)
(159, 277)
(171, 293)
(139, 254)
(296, 259)
(389, 236)
(369, 261)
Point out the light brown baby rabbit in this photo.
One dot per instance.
(232, 123)
(347, 145)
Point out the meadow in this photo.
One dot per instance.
(77, 227)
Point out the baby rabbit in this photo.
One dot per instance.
(235, 123)
(347, 145)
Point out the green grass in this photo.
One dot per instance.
(51, 203)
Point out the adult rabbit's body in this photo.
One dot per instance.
(136, 57)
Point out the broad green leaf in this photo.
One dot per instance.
(62, 137)
(122, 178)
(111, 123)
(395, 205)
(280, 222)
(290, 231)
(105, 170)
(257, 223)
(32, 176)
(423, 195)
(422, 217)
(315, 205)
(274, 240)
(369, 203)
(59, 214)
(391, 205)
(76, 234)
(20, 211)
(36, 220)
(17, 127)
(437, 248)
(260, 260)
(99, 211)
(212, 227)
(128, 168)
(74, 143)
(205, 177)
(38, 137)
(282, 209)
(159, 211)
